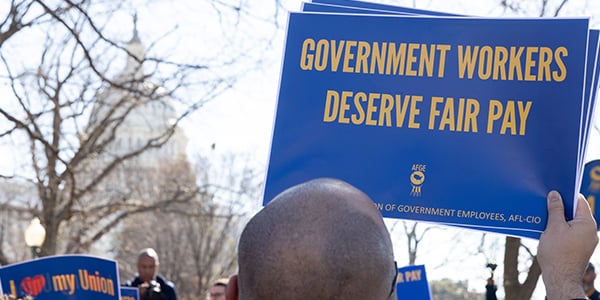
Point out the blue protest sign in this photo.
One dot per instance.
(425, 122)
(130, 293)
(590, 186)
(62, 277)
(412, 283)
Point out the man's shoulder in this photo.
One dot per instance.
(595, 295)
(163, 281)
(133, 282)
(167, 287)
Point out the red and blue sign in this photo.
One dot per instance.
(65, 277)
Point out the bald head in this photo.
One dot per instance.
(147, 264)
(148, 252)
(323, 239)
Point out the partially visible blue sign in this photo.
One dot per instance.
(62, 277)
(412, 283)
(130, 293)
(590, 185)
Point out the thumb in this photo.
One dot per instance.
(556, 209)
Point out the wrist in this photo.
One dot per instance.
(565, 290)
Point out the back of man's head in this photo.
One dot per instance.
(323, 239)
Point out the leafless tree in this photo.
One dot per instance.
(545, 8)
(13, 222)
(60, 60)
(513, 287)
(414, 232)
(196, 241)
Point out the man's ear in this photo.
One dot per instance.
(232, 288)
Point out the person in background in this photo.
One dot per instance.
(491, 287)
(218, 289)
(588, 283)
(152, 286)
(490, 290)
(325, 239)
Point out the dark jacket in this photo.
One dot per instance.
(167, 288)
(595, 295)
(490, 292)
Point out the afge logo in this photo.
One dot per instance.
(417, 177)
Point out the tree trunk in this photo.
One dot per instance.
(513, 288)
